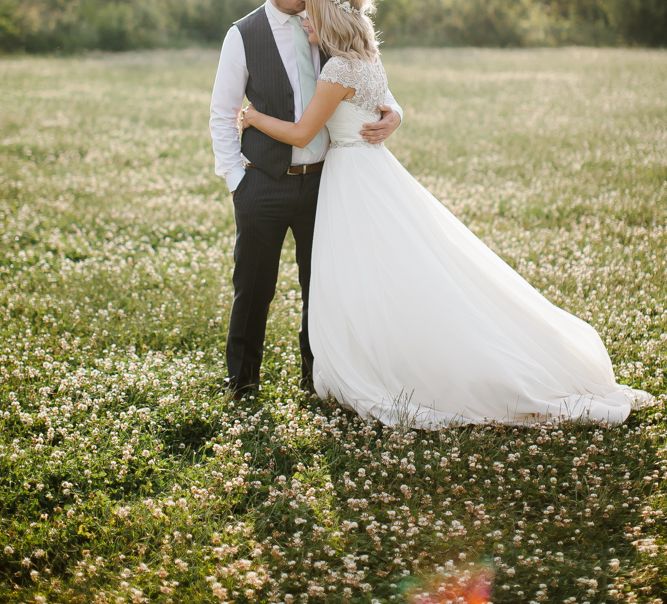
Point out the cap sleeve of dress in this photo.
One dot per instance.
(339, 70)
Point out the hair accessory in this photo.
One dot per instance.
(346, 6)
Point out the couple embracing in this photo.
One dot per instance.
(407, 315)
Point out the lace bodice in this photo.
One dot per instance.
(369, 81)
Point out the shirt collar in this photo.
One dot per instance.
(278, 15)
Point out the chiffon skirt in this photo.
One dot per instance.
(414, 320)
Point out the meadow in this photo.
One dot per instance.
(126, 473)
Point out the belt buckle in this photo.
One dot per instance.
(303, 169)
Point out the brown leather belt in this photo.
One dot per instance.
(300, 169)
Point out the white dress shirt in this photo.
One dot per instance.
(229, 91)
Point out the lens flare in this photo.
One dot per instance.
(472, 585)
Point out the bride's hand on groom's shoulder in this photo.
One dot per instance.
(377, 132)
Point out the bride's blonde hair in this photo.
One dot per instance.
(345, 33)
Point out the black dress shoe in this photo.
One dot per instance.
(307, 385)
(239, 391)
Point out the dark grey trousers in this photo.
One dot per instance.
(264, 209)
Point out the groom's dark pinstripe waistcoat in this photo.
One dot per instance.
(269, 90)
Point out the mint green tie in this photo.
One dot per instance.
(307, 79)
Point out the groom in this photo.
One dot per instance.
(267, 58)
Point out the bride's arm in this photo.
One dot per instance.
(327, 97)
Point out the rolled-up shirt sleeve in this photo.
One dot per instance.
(226, 102)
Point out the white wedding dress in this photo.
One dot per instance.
(414, 320)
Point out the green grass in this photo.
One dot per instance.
(127, 475)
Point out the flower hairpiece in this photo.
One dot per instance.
(346, 6)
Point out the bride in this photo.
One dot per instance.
(413, 319)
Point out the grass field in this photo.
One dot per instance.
(125, 473)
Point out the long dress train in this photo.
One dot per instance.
(414, 319)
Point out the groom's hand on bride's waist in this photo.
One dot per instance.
(378, 132)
